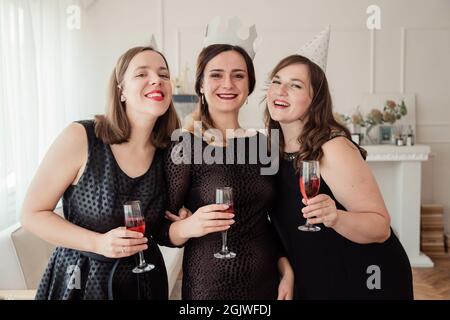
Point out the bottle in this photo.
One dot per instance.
(409, 137)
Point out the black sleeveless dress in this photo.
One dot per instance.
(95, 203)
(328, 265)
(253, 273)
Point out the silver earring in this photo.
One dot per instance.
(203, 99)
(122, 98)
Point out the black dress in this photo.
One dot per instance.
(253, 273)
(326, 264)
(96, 203)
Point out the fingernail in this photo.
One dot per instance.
(231, 215)
(225, 206)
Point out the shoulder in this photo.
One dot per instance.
(74, 135)
(340, 150)
(70, 148)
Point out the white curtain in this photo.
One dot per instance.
(40, 56)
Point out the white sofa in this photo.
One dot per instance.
(25, 256)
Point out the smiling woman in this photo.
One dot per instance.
(225, 77)
(98, 166)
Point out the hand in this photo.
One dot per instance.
(205, 220)
(286, 288)
(183, 213)
(321, 209)
(120, 243)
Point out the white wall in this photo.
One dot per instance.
(415, 61)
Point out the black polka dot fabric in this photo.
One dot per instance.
(96, 203)
(253, 273)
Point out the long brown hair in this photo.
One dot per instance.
(207, 54)
(114, 127)
(320, 121)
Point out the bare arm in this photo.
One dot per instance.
(60, 168)
(353, 185)
(286, 286)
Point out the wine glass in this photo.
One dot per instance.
(134, 220)
(309, 187)
(225, 196)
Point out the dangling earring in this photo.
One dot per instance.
(203, 99)
(246, 102)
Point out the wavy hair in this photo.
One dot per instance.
(320, 122)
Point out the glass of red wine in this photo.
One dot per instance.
(134, 220)
(309, 187)
(225, 196)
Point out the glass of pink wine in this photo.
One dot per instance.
(225, 196)
(134, 220)
(309, 187)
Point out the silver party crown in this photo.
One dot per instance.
(215, 36)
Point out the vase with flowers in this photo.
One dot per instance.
(392, 112)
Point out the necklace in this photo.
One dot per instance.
(289, 156)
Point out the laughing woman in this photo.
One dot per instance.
(355, 255)
(97, 166)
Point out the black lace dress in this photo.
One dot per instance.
(253, 273)
(96, 203)
(329, 266)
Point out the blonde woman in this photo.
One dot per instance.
(96, 166)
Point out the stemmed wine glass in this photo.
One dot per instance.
(225, 196)
(309, 187)
(134, 220)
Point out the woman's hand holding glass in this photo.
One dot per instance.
(120, 243)
(207, 219)
(321, 209)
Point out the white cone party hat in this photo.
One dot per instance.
(316, 50)
(153, 43)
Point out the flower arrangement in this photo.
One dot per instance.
(392, 112)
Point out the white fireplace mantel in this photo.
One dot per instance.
(394, 153)
(398, 173)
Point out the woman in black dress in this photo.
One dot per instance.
(355, 255)
(225, 78)
(96, 166)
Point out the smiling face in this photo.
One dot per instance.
(146, 84)
(225, 82)
(290, 93)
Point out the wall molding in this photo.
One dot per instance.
(434, 124)
(161, 24)
(402, 58)
(435, 142)
(372, 61)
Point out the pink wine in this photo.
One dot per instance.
(137, 225)
(310, 188)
